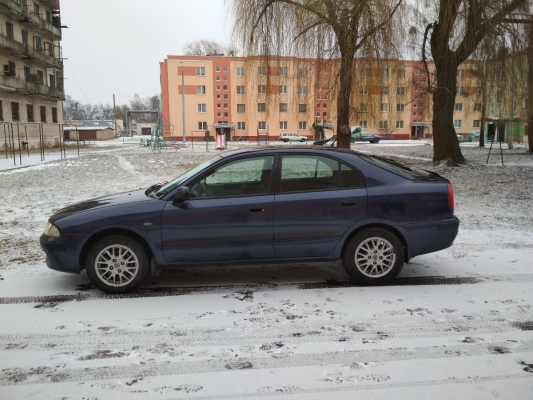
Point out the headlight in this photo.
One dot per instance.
(51, 230)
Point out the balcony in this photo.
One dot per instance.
(13, 84)
(38, 55)
(24, 15)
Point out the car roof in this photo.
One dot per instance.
(318, 149)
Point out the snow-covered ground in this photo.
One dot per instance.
(456, 324)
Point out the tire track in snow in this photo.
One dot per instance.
(265, 287)
(350, 331)
(40, 375)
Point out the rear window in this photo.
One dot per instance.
(397, 168)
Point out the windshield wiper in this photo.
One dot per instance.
(154, 188)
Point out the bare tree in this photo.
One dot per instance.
(322, 29)
(203, 47)
(460, 26)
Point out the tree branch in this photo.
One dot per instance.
(377, 27)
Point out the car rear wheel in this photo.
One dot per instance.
(374, 257)
(303, 140)
(117, 264)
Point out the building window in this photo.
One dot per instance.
(319, 97)
(478, 90)
(325, 97)
(400, 107)
(15, 116)
(200, 71)
(400, 91)
(240, 89)
(51, 80)
(364, 72)
(241, 108)
(302, 125)
(477, 107)
(459, 90)
(363, 90)
(460, 73)
(384, 107)
(217, 69)
(384, 90)
(219, 115)
(240, 71)
(226, 114)
(217, 78)
(27, 73)
(302, 108)
(324, 105)
(261, 107)
(261, 125)
(226, 97)
(282, 71)
(283, 125)
(318, 114)
(384, 73)
(399, 124)
(363, 124)
(40, 77)
(458, 106)
(401, 73)
(261, 89)
(29, 111)
(302, 72)
(477, 123)
(324, 114)
(415, 105)
(302, 90)
(36, 9)
(9, 30)
(219, 105)
(457, 123)
(202, 126)
(202, 108)
(54, 115)
(363, 107)
(382, 124)
(225, 105)
(218, 96)
(43, 113)
(283, 89)
(218, 87)
(200, 89)
(225, 87)
(1, 111)
(282, 107)
(241, 126)
(261, 71)
(225, 78)
(224, 69)
(37, 43)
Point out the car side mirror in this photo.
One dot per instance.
(182, 195)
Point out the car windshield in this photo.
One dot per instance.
(170, 186)
(395, 167)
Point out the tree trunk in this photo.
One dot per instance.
(530, 86)
(343, 101)
(446, 145)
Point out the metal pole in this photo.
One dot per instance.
(183, 101)
(20, 150)
(27, 143)
(5, 141)
(115, 114)
(78, 140)
(13, 146)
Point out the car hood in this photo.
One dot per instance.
(117, 199)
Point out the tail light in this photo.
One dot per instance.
(450, 197)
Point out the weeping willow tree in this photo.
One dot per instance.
(338, 31)
(458, 29)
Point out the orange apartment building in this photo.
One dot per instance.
(255, 96)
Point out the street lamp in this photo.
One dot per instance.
(183, 101)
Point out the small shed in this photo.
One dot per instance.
(88, 133)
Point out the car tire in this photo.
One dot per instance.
(303, 140)
(117, 264)
(374, 257)
(376, 141)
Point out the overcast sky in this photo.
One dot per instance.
(115, 46)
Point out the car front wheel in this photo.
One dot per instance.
(374, 257)
(117, 264)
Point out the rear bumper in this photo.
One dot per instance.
(427, 237)
(58, 255)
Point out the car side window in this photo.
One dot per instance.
(246, 177)
(303, 173)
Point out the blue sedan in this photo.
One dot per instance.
(260, 205)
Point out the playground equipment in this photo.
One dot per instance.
(323, 135)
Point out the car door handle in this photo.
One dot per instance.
(348, 203)
(256, 208)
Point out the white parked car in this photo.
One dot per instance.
(292, 137)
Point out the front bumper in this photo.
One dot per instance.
(59, 256)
